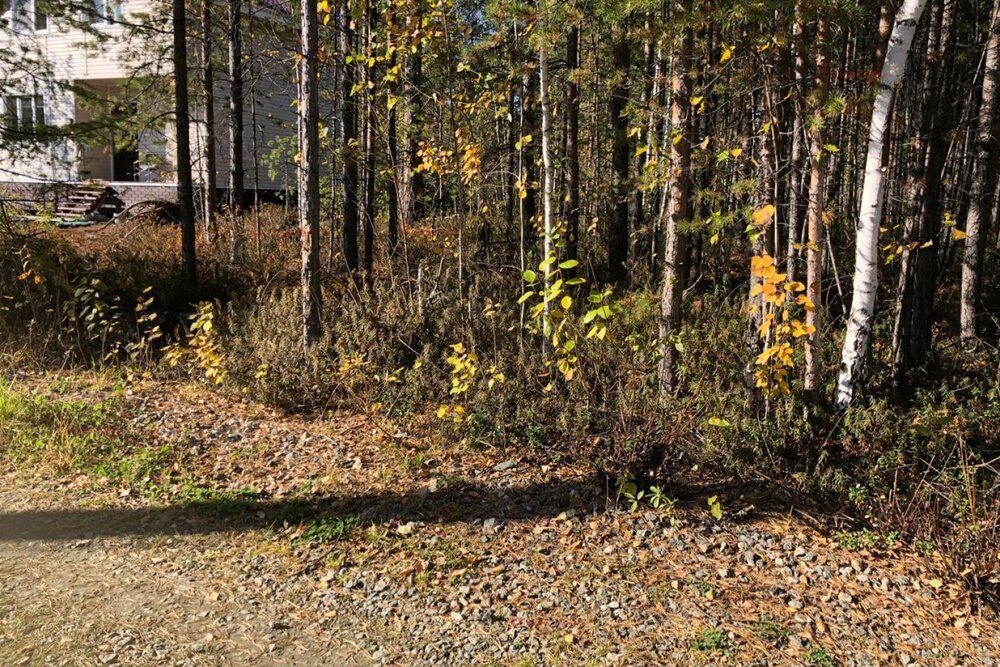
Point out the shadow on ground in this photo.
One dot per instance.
(467, 503)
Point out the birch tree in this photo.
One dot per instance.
(857, 341)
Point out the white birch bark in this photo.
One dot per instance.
(859, 327)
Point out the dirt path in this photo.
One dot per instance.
(144, 600)
(362, 545)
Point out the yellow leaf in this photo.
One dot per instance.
(763, 215)
(695, 101)
(736, 152)
(727, 53)
(957, 235)
(936, 583)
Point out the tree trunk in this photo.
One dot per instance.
(859, 328)
(618, 238)
(393, 149)
(235, 123)
(308, 117)
(350, 123)
(814, 217)
(911, 336)
(977, 218)
(236, 104)
(412, 119)
(573, 144)
(529, 127)
(182, 115)
(369, 143)
(548, 186)
(798, 146)
(764, 241)
(678, 208)
(208, 83)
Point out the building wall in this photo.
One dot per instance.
(77, 58)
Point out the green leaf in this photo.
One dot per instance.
(569, 264)
(529, 276)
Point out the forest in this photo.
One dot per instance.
(705, 251)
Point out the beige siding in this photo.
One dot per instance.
(77, 59)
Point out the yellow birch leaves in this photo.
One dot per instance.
(778, 329)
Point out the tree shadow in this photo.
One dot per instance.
(467, 503)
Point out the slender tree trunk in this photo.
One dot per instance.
(369, 142)
(814, 246)
(236, 168)
(620, 90)
(308, 116)
(337, 110)
(182, 115)
(208, 82)
(795, 168)
(529, 129)
(977, 218)
(254, 140)
(573, 144)
(393, 149)
(679, 206)
(764, 241)
(350, 161)
(548, 186)
(911, 336)
(859, 328)
(236, 103)
(413, 119)
(512, 171)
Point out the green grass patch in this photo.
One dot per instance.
(711, 641)
(818, 657)
(326, 529)
(62, 435)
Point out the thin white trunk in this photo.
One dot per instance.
(859, 328)
(549, 179)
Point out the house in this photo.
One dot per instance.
(87, 103)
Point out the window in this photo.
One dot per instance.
(23, 16)
(106, 11)
(24, 113)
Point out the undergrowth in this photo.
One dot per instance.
(413, 349)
